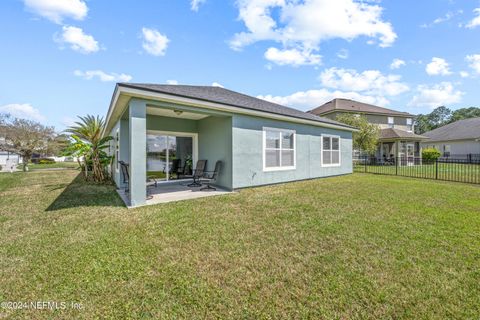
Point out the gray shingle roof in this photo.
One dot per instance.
(355, 106)
(460, 130)
(231, 98)
(392, 133)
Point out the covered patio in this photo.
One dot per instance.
(396, 144)
(162, 140)
(173, 191)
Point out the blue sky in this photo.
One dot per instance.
(61, 58)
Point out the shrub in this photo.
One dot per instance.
(430, 154)
(46, 161)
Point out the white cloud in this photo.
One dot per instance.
(475, 22)
(78, 40)
(397, 63)
(24, 111)
(447, 17)
(172, 82)
(57, 10)
(103, 76)
(343, 54)
(195, 4)
(216, 84)
(154, 42)
(436, 95)
(474, 61)
(303, 25)
(438, 66)
(370, 82)
(307, 100)
(464, 74)
(292, 57)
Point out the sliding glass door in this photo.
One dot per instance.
(169, 157)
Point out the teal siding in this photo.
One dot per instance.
(247, 135)
(215, 143)
(171, 124)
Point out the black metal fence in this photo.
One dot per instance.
(446, 168)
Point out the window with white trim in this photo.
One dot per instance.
(391, 122)
(330, 151)
(409, 124)
(279, 149)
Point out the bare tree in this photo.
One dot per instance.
(25, 137)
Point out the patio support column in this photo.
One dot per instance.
(138, 151)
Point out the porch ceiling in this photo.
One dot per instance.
(173, 113)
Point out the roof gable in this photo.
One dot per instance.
(348, 105)
(460, 130)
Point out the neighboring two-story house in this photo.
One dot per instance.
(397, 134)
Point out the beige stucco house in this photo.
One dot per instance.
(397, 135)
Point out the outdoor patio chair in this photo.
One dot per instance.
(125, 174)
(151, 180)
(211, 176)
(175, 168)
(198, 173)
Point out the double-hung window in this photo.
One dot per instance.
(278, 149)
(330, 151)
(409, 124)
(391, 122)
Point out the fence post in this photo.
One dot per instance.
(365, 161)
(436, 169)
(396, 166)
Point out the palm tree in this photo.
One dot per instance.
(89, 129)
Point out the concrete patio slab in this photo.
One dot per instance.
(173, 191)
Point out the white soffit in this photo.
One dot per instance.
(158, 111)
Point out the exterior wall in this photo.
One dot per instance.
(215, 143)
(381, 120)
(171, 124)
(458, 147)
(248, 152)
(5, 156)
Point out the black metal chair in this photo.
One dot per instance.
(211, 176)
(175, 168)
(198, 173)
(125, 174)
(151, 180)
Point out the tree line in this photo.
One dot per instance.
(442, 116)
(83, 140)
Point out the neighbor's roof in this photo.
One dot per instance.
(355, 106)
(392, 133)
(460, 130)
(231, 98)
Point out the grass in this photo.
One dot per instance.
(64, 165)
(468, 173)
(358, 246)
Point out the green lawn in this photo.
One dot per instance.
(68, 165)
(468, 173)
(358, 246)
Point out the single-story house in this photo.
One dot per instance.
(258, 142)
(9, 159)
(460, 139)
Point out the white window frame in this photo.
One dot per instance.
(264, 149)
(331, 145)
(391, 124)
(410, 124)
